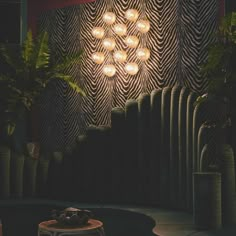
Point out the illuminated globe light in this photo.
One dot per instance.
(109, 43)
(109, 18)
(143, 54)
(109, 70)
(120, 56)
(131, 68)
(131, 14)
(98, 57)
(143, 26)
(132, 41)
(120, 29)
(98, 32)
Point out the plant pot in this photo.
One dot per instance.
(207, 200)
(228, 185)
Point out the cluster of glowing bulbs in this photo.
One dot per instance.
(131, 41)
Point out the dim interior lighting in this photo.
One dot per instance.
(98, 32)
(120, 29)
(132, 41)
(143, 26)
(109, 18)
(109, 70)
(109, 44)
(143, 54)
(120, 56)
(98, 57)
(131, 68)
(131, 14)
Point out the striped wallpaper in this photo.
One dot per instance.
(180, 33)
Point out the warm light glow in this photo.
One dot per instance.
(98, 57)
(131, 14)
(120, 56)
(109, 44)
(131, 68)
(143, 54)
(120, 29)
(143, 26)
(109, 70)
(132, 41)
(98, 32)
(109, 18)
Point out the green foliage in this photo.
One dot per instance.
(220, 67)
(31, 68)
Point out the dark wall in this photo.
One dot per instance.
(10, 12)
(230, 5)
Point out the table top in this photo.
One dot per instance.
(53, 225)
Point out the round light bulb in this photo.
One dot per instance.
(143, 54)
(109, 70)
(98, 32)
(120, 29)
(109, 18)
(132, 41)
(109, 43)
(143, 26)
(131, 68)
(120, 56)
(131, 14)
(98, 57)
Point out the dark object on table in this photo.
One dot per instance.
(72, 216)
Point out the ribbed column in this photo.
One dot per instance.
(5, 157)
(131, 163)
(165, 147)
(17, 170)
(174, 145)
(30, 175)
(156, 143)
(144, 146)
(189, 147)
(182, 135)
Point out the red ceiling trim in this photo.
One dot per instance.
(222, 8)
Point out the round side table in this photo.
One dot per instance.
(52, 228)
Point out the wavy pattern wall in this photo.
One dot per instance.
(180, 33)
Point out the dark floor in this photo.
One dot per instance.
(168, 222)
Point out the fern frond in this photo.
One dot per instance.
(11, 56)
(41, 55)
(27, 49)
(77, 88)
(68, 61)
(73, 85)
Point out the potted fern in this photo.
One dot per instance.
(220, 70)
(30, 69)
(220, 67)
